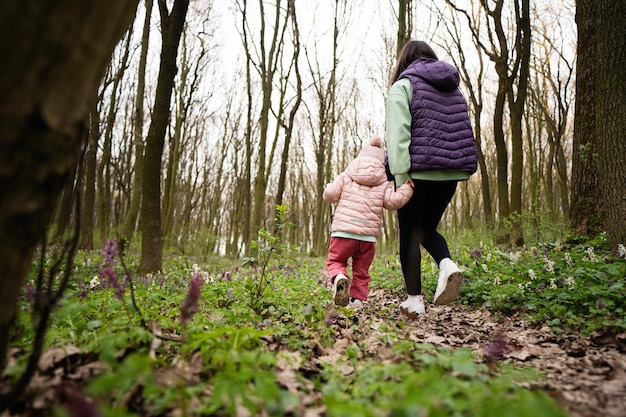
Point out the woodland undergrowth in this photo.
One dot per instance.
(260, 337)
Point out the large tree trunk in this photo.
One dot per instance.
(152, 239)
(586, 218)
(611, 115)
(48, 84)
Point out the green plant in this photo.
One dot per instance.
(267, 245)
(570, 288)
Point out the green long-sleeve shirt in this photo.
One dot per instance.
(398, 138)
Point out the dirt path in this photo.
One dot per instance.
(586, 375)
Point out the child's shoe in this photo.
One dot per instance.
(341, 290)
(450, 278)
(413, 306)
(356, 304)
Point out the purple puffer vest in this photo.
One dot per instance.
(441, 132)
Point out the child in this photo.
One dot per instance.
(362, 191)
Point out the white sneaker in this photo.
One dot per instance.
(356, 304)
(450, 278)
(341, 290)
(413, 306)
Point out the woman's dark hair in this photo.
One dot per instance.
(409, 53)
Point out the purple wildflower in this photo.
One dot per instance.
(83, 288)
(545, 253)
(600, 304)
(110, 251)
(30, 292)
(76, 403)
(535, 253)
(496, 348)
(111, 281)
(190, 305)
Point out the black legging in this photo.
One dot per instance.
(418, 221)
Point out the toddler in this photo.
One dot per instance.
(361, 191)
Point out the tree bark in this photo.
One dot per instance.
(48, 81)
(611, 115)
(152, 238)
(586, 217)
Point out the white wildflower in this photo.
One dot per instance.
(94, 283)
(521, 287)
(515, 257)
(621, 250)
(570, 282)
(532, 274)
(568, 259)
(553, 283)
(496, 281)
(484, 266)
(550, 266)
(591, 254)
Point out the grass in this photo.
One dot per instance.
(253, 338)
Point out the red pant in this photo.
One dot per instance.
(362, 254)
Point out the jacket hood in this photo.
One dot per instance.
(440, 74)
(367, 170)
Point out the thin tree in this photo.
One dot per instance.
(322, 125)
(89, 181)
(172, 23)
(103, 173)
(405, 24)
(288, 125)
(130, 222)
(512, 65)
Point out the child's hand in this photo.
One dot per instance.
(410, 182)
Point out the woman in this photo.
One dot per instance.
(430, 140)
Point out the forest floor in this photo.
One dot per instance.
(586, 375)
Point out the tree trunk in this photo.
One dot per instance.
(405, 24)
(586, 217)
(48, 84)
(517, 101)
(64, 209)
(89, 181)
(130, 223)
(152, 239)
(289, 124)
(611, 115)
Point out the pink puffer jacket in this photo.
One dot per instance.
(363, 191)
